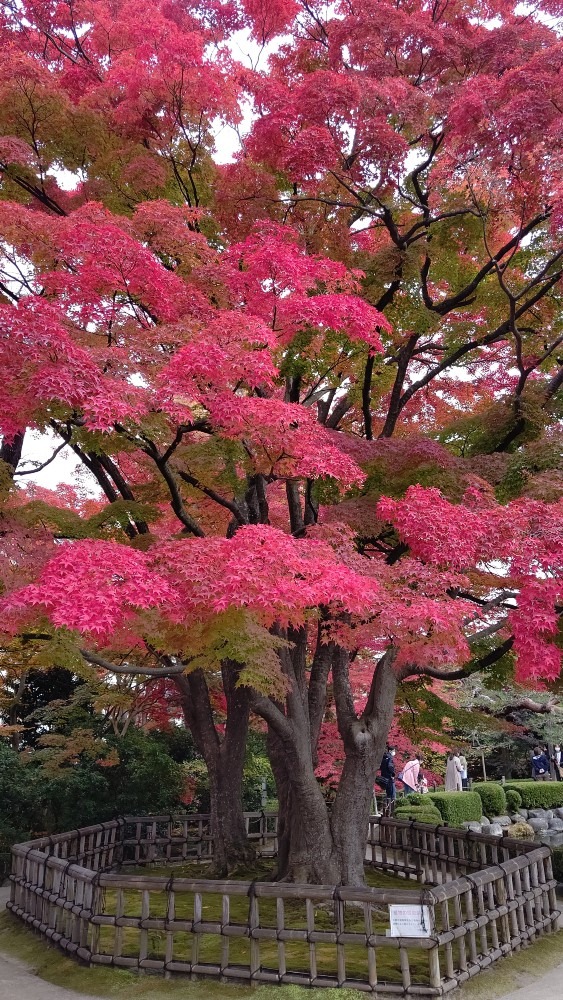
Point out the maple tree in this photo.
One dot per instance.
(318, 388)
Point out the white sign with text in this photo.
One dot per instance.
(410, 921)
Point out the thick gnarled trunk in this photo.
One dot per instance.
(317, 844)
(351, 809)
(228, 828)
(305, 852)
(224, 757)
(364, 742)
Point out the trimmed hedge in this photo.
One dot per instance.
(538, 794)
(513, 800)
(422, 814)
(412, 799)
(457, 808)
(492, 796)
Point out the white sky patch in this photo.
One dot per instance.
(67, 179)
(65, 467)
(243, 48)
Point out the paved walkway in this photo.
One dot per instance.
(19, 982)
(549, 987)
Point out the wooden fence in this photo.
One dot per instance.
(482, 898)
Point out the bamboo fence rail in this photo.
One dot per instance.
(484, 896)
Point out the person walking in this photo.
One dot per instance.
(540, 765)
(453, 773)
(556, 759)
(388, 775)
(463, 762)
(411, 773)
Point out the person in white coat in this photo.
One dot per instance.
(556, 760)
(453, 773)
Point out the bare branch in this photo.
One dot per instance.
(414, 670)
(131, 668)
(37, 466)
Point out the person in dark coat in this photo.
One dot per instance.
(540, 766)
(388, 774)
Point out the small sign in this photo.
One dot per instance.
(410, 921)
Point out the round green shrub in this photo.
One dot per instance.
(492, 796)
(414, 799)
(513, 800)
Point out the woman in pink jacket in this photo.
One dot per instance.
(411, 772)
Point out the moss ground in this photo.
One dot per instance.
(297, 954)
(525, 967)
(521, 969)
(51, 965)
(56, 968)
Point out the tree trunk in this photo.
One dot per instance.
(316, 845)
(305, 847)
(228, 827)
(350, 813)
(364, 741)
(283, 791)
(224, 757)
(11, 452)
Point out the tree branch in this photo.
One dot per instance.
(39, 466)
(271, 714)
(213, 495)
(128, 668)
(413, 670)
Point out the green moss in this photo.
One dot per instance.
(297, 953)
(523, 968)
(49, 963)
